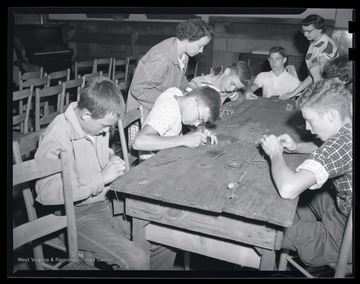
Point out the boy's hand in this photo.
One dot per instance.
(251, 96)
(113, 169)
(288, 143)
(271, 145)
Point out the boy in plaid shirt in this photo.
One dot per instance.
(318, 226)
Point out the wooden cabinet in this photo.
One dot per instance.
(259, 63)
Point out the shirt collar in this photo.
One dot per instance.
(76, 130)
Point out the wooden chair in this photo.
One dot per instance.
(36, 83)
(119, 70)
(73, 89)
(130, 157)
(58, 77)
(39, 228)
(53, 104)
(192, 68)
(88, 77)
(22, 99)
(29, 75)
(216, 70)
(342, 268)
(84, 67)
(104, 65)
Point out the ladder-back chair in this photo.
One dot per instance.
(84, 67)
(104, 65)
(21, 100)
(29, 75)
(73, 89)
(119, 69)
(53, 104)
(38, 229)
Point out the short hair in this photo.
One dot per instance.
(340, 67)
(278, 49)
(317, 21)
(243, 71)
(101, 96)
(210, 98)
(327, 94)
(193, 30)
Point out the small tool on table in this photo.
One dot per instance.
(232, 186)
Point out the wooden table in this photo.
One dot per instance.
(180, 197)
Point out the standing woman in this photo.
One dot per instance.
(165, 64)
(321, 49)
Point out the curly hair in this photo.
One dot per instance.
(317, 21)
(340, 67)
(193, 30)
(327, 94)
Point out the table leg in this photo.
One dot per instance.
(267, 261)
(139, 236)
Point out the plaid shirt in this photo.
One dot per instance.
(334, 160)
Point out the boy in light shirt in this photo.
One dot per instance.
(278, 81)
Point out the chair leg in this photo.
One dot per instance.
(283, 260)
(186, 260)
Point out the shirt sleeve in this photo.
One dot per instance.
(145, 85)
(321, 175)
(259, 80)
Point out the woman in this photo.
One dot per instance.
(165, 64)
(321, 49)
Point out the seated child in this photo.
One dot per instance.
(278, 81)
(319, 224)
(162, 128)
(228, 83)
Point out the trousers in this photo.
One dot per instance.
(105, 238)
(317, 230)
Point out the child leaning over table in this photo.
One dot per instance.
(319, 226)
(278, 81)
(228, 83)
(162, 128)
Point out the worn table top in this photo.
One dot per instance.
(187, 177)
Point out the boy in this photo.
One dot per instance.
(318, 227)
(83, 131)
(228, 83)
(278, 81)
(162, 127)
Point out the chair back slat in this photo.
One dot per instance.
(50, 95)
(23, 99)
